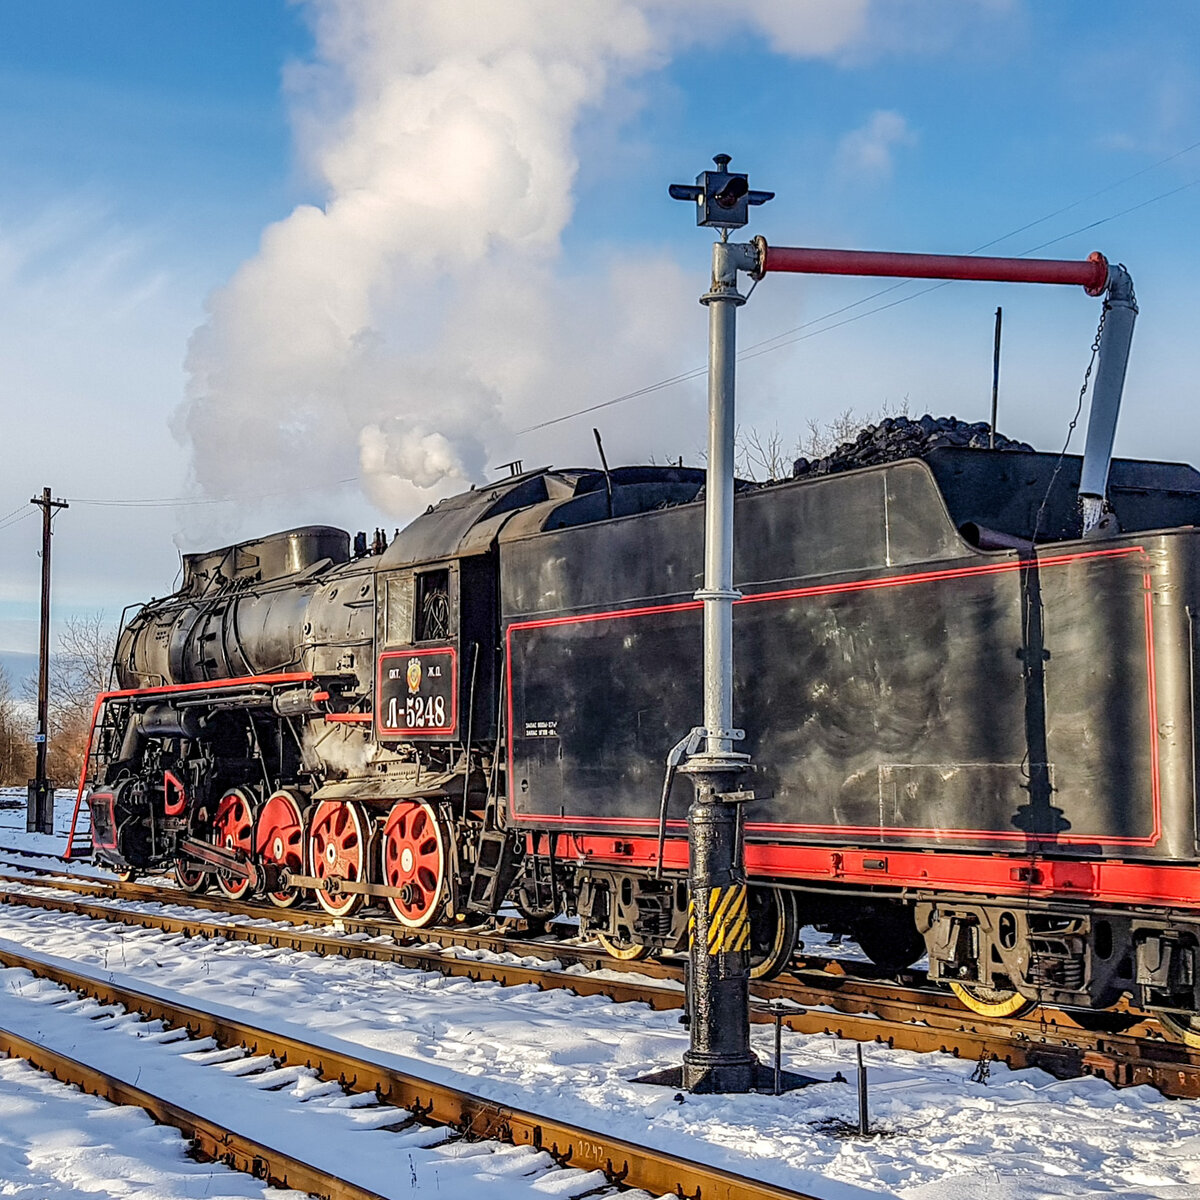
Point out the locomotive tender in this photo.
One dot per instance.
(971, 746)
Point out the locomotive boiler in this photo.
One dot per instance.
(974, 728)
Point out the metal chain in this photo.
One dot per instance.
(1087, 375)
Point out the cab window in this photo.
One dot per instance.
(398, 620)
(433, 606)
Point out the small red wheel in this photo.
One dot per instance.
(232, 828)
(414, 859)
(190, 878)
(279, 842)
(337, 845)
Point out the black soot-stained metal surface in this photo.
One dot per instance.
(896, 682)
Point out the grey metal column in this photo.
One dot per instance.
(718, 594)
(719, 1058)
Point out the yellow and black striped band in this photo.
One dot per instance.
(728, 920)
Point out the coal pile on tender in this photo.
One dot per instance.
(895, 438)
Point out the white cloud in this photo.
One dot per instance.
(868, 153)
(401, 328)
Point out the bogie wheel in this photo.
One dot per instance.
(1182, 1029)
(337, 845)
(623, 948)
(189, 878)
(279, 842)
(889, 938)
(1104, 1020)
(992, 1002)
(233, 828)
(774, 926)
(413, 856)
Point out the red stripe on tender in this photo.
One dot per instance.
(858, 585)
(1016, 875)
(831, 589)
(1152, 686)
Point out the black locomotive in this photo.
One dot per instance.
(976, 729)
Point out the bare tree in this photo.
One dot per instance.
(79, 671)
(765, 457)
(762, 456)
(85, 656)
(824, 437)
(16, 754)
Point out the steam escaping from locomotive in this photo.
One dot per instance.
(398, 330)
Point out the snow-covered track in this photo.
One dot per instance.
(25, 852)
(906, 1016)
(209, 1139)
(599, 1158)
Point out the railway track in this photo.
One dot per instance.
(418, 1101)
(817, 997)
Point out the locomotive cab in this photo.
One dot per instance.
(417, 682)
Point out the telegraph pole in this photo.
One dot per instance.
(39, 816)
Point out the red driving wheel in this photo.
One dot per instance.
(279, 842)
(414, 860)
(232, 828)
(337, 845)
(189, 878)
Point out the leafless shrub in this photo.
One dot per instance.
(765, 457)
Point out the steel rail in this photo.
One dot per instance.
(468, 938)
(918, 1018)
(208, 1139)
(658, 1172)
(505, 974)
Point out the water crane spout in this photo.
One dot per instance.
(1120, 313)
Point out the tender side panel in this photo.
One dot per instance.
(875, 709)
(982, 703)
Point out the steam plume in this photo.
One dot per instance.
(397, 331)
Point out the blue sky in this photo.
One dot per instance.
(400, 344)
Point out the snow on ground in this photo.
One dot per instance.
(1020, 1136)
(12, 833)
(289, 1108)
(58, 1144)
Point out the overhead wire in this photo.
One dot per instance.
(184, 501)
(16, 520)
(754, 350)
(786, 338)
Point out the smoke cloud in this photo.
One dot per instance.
(400, 331)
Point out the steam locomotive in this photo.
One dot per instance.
(974, 728)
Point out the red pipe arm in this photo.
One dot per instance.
(1091, 274)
